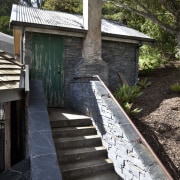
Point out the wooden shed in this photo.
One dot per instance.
(12, 111)
(51, 43)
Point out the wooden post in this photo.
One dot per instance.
(7, 111)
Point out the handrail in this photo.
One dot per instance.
(11, 59)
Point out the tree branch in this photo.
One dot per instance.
(148, 15)
(170, 6)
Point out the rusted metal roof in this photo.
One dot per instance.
(33, 17)
(9, 73)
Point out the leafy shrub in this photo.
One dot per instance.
(147, 66)
(4, 25)
(128, 107)
(175, 87)
(143, 84)
(125, 95)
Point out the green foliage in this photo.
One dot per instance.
(6, 6)
(175, 87)
(166, 44)
(165, 47)
(111, 12)
(71, 6)
(146, 67)
(4, 25)
(128, 107)
(143, 84)
(125, 95)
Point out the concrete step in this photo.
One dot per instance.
(73, 131)
(70, 122)
(79, 154)
(107, 175)
(79, 149)
(85, 168)
(75, 142)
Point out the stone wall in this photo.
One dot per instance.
(72, 55)
(120, 58)
(126, 148)
(42, 152)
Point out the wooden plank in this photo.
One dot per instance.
(10, 78)
(17, 63)
(6, 56)
(6, 72)
(11, 59)
(9, 85)
(2, 61)
(7, 111)
(8, 66)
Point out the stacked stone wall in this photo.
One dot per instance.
(131, 157)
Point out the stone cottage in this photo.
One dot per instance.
(59, 46)
(65, 51)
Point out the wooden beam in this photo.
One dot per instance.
(17, 39)
(7, 95)
(7, 111)
(57, 32)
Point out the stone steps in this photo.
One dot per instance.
(83, 153)
(76, 131)
(70, 123)
(75, 142)
(85, 168)
(79, 148)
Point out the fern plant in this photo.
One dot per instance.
(175, 87)
(127, 94)
(144, 83)
(128, 107)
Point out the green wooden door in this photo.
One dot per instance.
(47, 65)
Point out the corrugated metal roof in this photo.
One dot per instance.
(31, 17)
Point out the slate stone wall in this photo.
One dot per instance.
(119, 57)
(19, 171)
(72, 56)
(42, 153)
(131, 158)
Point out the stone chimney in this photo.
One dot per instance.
(92, 22)
(92, 61)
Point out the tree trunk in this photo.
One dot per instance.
(178, 46)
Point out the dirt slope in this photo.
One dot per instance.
(159, 121)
